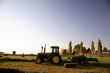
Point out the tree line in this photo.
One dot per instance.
(79, 49)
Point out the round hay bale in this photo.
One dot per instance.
(70, 65)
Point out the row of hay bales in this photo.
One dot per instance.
(8, 70)
(92, 65)
(69, 65)
(16, 60)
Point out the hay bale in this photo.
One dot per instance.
(70, 65)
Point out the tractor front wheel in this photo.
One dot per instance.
(38, 61)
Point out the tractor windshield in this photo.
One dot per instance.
(56, 50)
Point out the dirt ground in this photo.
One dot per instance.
(64, 70)
(31, 67)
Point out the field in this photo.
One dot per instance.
(30, 67)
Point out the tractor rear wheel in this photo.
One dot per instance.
(38, 61)
(56, 59)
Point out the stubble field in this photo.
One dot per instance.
(31, 67)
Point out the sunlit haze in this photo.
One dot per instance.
(26, 25)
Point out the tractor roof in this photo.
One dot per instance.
(54, 46)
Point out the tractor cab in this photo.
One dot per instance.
(55, 49)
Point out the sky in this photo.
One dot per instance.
(26, 25)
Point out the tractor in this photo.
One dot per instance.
(54, 57)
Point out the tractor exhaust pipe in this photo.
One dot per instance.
(45, 48)
(41, 49)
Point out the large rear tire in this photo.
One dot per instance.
(56, 59)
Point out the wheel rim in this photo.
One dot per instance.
(38, 60)
(56, 59)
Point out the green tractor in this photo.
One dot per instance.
(54, 57)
